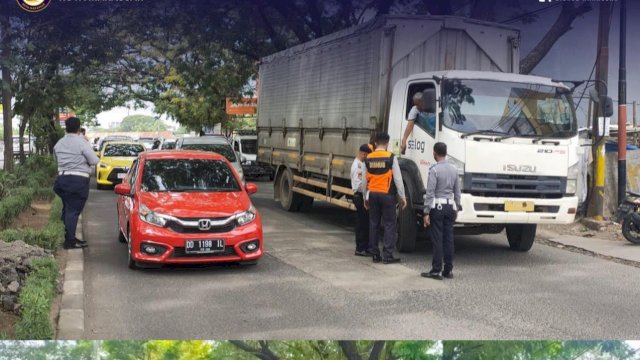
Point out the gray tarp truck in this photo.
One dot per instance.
(319, 101)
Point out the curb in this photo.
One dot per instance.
(71, 319)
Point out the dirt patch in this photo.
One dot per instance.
(610, 232)
(7, 325)
(35, 217)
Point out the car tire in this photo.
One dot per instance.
(521, 236)
(121, 237)
(100, 187)
(130, 263)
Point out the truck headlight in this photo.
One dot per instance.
(572, 179)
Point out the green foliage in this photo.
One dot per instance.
(12, 205)
(35, 299)
(534, 350)
(142, 123)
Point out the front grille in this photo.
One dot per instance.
(113, 175)
(194, 230)
(519, 186)
(179, 252)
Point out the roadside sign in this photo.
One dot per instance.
(246, 106)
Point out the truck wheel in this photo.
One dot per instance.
(521, 236)
(289, 200)
(407, 228)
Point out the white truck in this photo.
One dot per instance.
(513, 137)
(245, 143)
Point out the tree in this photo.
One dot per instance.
(141, 123)
(535, 350)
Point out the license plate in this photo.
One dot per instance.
(518, 206)
(203, 246)
(122, 175)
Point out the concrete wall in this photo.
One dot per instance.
(611, 179)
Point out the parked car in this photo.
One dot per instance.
(178, 207)
(214, 143)
(111, 138)
(115, 160)
(168, 145)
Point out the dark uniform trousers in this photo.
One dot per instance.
(362, 224)
(442, 237)
(74, 191)
(382, 211)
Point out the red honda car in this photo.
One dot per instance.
(179, 207)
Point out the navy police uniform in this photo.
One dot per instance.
(442, 201)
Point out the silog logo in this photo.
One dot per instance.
(416, 145)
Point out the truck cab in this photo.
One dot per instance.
(513, 138)
(245, 144)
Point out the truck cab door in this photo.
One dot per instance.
(425, 130)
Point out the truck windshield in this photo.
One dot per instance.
(517, 109)
(249, 146)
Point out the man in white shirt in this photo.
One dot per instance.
(411, 119)
(358, 170)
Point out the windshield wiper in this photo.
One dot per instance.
(485, 132)
(539, 138)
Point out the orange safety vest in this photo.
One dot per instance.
(380, 172)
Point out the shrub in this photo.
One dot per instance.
(14, 204)
(35, 299)
(51, 237)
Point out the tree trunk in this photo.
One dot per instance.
(21, 129)
(6, 93)
(349, 350)
(562, 25)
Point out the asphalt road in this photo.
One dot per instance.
(309, 285)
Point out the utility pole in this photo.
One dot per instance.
(596, 206)
(622, 106)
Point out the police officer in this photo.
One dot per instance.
(384, 185)
(75, 158)
(442, 202)
(358, 171)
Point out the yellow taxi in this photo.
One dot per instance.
(116, 158)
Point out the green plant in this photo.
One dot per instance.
(51, 237)
(14, 204)
(35, 300)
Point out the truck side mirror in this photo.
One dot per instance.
(606, 106)
(429, 99)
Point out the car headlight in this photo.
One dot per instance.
(151, 217)
(572, 179)
(247, 216)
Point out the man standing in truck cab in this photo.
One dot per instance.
(358, 171)
(383, 184)
(442, 202)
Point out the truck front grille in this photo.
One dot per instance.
(519, 186)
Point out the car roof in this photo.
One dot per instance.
(181, 154)
(122, 143)
(205, 140)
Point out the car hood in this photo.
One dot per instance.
(118, 161)
(196, 204)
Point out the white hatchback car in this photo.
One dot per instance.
(214, 143)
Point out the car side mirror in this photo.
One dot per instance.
(123, 189)
(429, 100)
(606, 106)
(251, 188)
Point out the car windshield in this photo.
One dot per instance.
(125, 150)
(168, 145)
(516, 109)
(249, 146)
(222, 149)
(188, 175)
